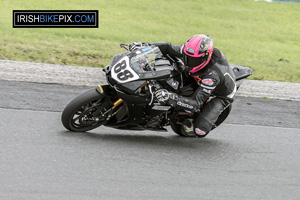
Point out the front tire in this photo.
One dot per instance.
(84, 112)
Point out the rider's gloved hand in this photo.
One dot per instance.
(135, 45)
(162, 95)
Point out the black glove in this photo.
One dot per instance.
(135, 45)
(162, 96)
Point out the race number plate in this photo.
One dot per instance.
(122, 71)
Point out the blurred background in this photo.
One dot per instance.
(258, 34)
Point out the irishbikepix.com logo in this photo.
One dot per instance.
(55, 19)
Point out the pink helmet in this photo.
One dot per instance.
(197, 52)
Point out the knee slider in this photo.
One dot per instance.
(202, 128)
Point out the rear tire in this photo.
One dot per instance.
(222, 116)
(83, 113)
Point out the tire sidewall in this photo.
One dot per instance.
(74, 105)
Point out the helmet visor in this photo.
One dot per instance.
(192, 62)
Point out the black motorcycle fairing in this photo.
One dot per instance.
(143, 64)
(113, 61)
(129, 113)
(135, 99)
(139, 117)
(130, 87)
(156, 75)
(241, 73)
(161, 74)
(106, 90)
(135, 116)
(151, 75)
(116, 58)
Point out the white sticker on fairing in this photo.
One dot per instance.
(122, 71)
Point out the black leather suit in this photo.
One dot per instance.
(214, 80)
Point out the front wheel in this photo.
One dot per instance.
(85, 112)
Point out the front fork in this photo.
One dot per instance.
(118, 102)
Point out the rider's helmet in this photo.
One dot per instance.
(197, 52)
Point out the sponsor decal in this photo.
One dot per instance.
(147, 48)
(208, 81)
(199, 131)
(190, 50)
(184, 105)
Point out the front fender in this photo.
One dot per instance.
(105, 90)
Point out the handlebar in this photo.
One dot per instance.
(125, 46)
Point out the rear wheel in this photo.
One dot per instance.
(223, 116)
(84, 112)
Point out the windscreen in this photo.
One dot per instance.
(145, 59)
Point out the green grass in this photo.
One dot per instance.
(264, 36)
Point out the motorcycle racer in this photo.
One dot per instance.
(210, 69)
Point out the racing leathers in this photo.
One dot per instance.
(216, 80)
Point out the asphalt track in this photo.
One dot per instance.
(253, 155)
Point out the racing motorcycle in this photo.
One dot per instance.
(128, 100)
